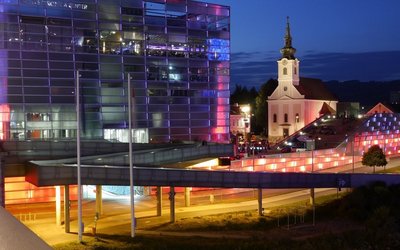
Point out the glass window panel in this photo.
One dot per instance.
(84, 24)
(35, 81)
(132, 3)
(62, 82)
(34, 46)
(36, 99)
(59, 21)
(15, 99)
(36, 91)
(14, 81)
(61, 74)
(60, 56)
(179, 123)
(106, 16)
(14, 90)
(34, 64)
(63, 99)
(59, 31)
(35, 73)
(62, 91)
(12, 73)
(84, 15)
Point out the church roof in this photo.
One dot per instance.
(314, 89)
(326, 109)
(235, 110)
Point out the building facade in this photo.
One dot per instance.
(177, 53)
(240, 119)
(296, 101)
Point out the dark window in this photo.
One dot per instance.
(286, 117)
(275, 118)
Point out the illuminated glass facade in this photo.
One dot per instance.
(176, 51)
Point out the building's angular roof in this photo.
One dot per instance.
(326, 110)
(314, 89)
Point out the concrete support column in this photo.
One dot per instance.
(58, 205)
(187, 196)
(66, 209)
(2, 184)
(172, 204)
(159, 201)
(260, 196)
(99, 200)
(312, 197)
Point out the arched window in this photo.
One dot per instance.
(297, 117)
(275, 118)
(295, 70)
(285, 71)
(285, 118)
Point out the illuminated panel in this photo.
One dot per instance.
(4, 121)
(218, 50)
(18, 191)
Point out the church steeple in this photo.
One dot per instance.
(288, 51)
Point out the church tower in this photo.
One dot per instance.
(288, 68)
(296, 101)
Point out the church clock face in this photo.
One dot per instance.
(284, 62)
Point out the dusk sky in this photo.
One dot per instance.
(335, 39)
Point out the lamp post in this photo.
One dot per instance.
(132, 189)
(246, 110)
(78, 156)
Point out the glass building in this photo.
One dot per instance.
(177, 53)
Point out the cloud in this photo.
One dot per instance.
(255, 68)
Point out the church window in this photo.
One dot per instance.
(275, 119)
(295, 70)
(297, 117)
(285, 71)
(285, 88)
(286, 118)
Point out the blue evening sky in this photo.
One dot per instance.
(335, 39)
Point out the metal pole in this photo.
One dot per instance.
(132, 191)
(352, 149)
(78, 156)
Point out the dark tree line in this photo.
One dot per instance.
(258, 103)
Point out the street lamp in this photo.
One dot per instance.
(78, 156)
(246, 110)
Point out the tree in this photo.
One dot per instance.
(374, 157)
(261, 113)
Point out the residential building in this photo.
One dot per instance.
(240, 119)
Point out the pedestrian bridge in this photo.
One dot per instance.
(119, 175)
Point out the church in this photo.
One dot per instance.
(296, 101)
